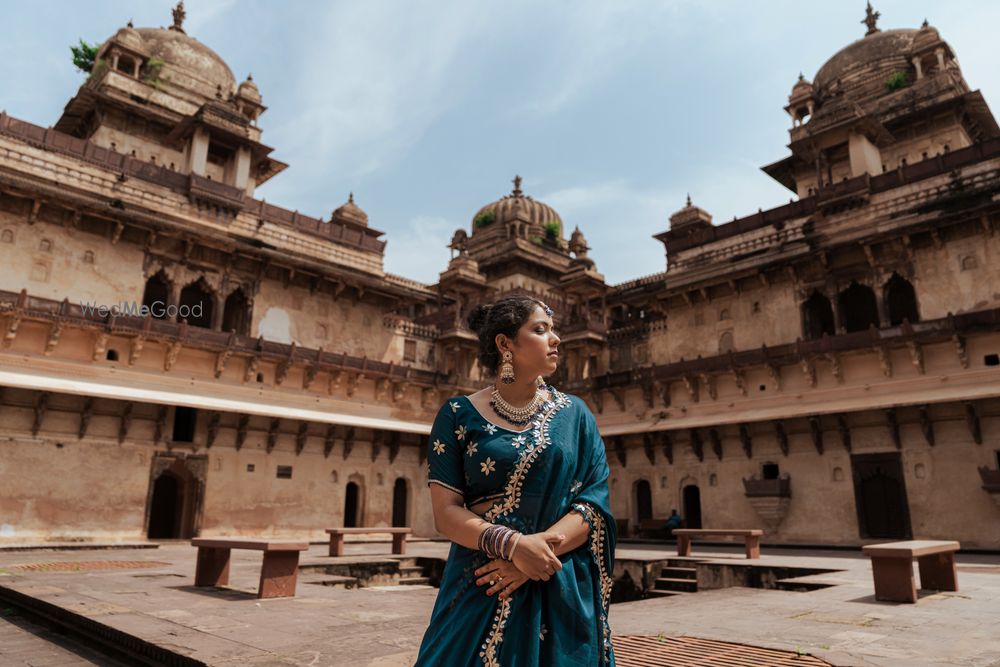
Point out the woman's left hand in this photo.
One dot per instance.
(502, 576)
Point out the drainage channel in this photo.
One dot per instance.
(113, 647)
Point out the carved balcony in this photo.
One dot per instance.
(770, 498)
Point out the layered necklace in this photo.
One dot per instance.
(519, 416)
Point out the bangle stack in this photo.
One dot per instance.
(499, 541)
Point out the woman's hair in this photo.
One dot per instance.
(504, 316)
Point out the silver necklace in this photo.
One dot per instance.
(519, 416)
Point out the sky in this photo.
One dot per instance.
(612, 111)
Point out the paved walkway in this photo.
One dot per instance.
(25, 644)
(154, 599)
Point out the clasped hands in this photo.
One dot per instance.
(533, 559)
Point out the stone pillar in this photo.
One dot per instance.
(939, 52)
(919, 67)
(838, 327)
(241, 168)
(198, 152)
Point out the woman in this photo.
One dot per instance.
(518, 480)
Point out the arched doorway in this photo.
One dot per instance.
(351, 505)
(643, 502)
(173, 503)
(817, 316)
(880, 495)
(165, 507)
(236, 313)
(858, 308)
(900, 300)
(196, 305)
(692, 506)
(156, 296)
(399, 503)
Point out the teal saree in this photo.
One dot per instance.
(534, 477)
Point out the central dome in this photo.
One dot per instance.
(516, 205)
(877, 55)
(188, 63)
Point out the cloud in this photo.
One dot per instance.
(419, 249)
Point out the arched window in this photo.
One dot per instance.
(900, 300)
(643, 501)
(858, 308)
(817, 316)
(726, 342)
(236, 313)
(7, 236)
(399, 498)
(351, 505)
(196, 305)
(157, 295)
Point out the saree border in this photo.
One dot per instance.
(512, 500)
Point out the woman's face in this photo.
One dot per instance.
(534, 349)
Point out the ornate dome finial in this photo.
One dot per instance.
(179, 15)
(132, 26)
(350, 198)
(925, 24)
(871, 17)
(517, 187)
(250, 77)
(689, 200)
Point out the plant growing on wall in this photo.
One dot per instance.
(484, 218)
(896, 81)
(151, 72)
(551, 230)
(84, 56)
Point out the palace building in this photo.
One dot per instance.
(179, 357)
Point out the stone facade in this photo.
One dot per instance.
(827, 369)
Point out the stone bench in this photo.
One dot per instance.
(892, 568)
(751, 537)
(337, 538)
(278, 574)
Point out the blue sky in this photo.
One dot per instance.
(611, 111)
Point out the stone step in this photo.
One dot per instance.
(664, 594)
(405, 581)
(679, 572)
(342, 582)
(672, 584)
(411, 569)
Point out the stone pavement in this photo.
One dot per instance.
(27, 644)
(383, 625)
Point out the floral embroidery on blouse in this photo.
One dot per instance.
(576, 487)
(471, 449)
(488, 466)
(518, 441)
(541, 634)
(460, 432)
(454, 406)
(438, 447)
(490, 428)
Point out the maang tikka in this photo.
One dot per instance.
(507, 368)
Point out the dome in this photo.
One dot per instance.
(517, 205)
(350, 212)
(248, 90)
(130, 38)
(926, 37)
(187, 63)
(878, 54)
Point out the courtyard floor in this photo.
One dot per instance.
(147, 594)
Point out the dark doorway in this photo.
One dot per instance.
(156, 296)
(351, 506)
(692, 507)
(880, 496)
(643, 501)
(196, 305)
(900, 300)
(166, 507)
(817, 316)
(858, 308)
(399, 503)
(236, 313)
(184, 422)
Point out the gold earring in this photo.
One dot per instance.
(507, 368)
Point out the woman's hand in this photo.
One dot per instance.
(503, 577)
(534, 556)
